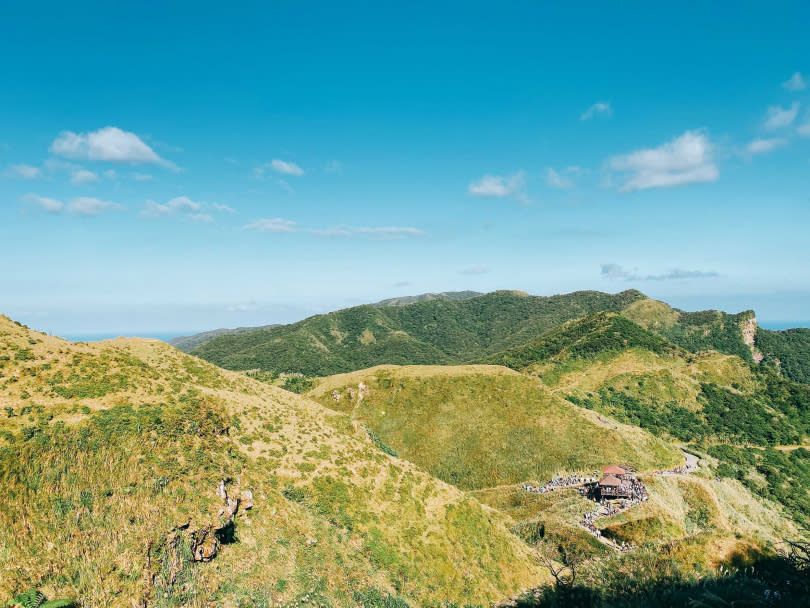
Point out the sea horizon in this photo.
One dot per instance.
(168, 335)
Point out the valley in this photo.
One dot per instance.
(456, 452)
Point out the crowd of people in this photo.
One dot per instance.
(589, 523)
(564, 481)
(589, 488)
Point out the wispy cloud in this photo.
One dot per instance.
(795, 83)
(497, 186)
(279, 225)
(23, 172)
(51, 205)
(183, 206)
(804, 130)
(82, 176)
(283, 167)
(687, 159)
(271, 225)
(142, 177)
(778, 117)
(82, 206)
(87, 206)
(763, 146)
(108, 144)
(600, 108)
(225, 208)
(381, 233)
(557, 181)
(618, 272)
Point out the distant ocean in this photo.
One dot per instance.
(98, 337)
(777, 325)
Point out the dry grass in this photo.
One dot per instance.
(484, 426)
(90, 481)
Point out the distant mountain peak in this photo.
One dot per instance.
(427, 297)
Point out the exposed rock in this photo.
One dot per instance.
(246, 498)
(204, 545)
(222, 492)
(749, 332)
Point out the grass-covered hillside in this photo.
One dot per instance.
(484, 426)
(435, 332)
(739, 412)
(699, 331)
(189, 343)
(111, 455)
(787, 352)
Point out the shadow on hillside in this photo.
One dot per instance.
(773, 581)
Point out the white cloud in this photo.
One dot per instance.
(23, 172)
(51, 205)
(155, 209)
(382, 233)
(600, 107)
(795, 83)
(183, 203)
(225, 208)
(110, 174)
(273, 225)
(804, 130)
(286, 168)
(557, 181)
(83, 205)
(83, 176)
(87, 206)
(496, 186)
(280, 225)
(617, 272)
(142, 177)
(108, 144)
(762, 146)
(686, 159)
(185, 207)
(779, 117)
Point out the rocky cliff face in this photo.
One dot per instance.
(749, 331)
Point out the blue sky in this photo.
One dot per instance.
(184, 166)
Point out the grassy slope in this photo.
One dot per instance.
(787, 352)
(717, 401)
(483, 426)
(695, 331)
(424, 333)
(106, 448)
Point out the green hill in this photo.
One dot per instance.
(427, 297)
(486, 428)
(482, 426)
(111, 455)
(189, 343)
(787, 352)
(719, 403)
(435, 332)
(697, 331)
